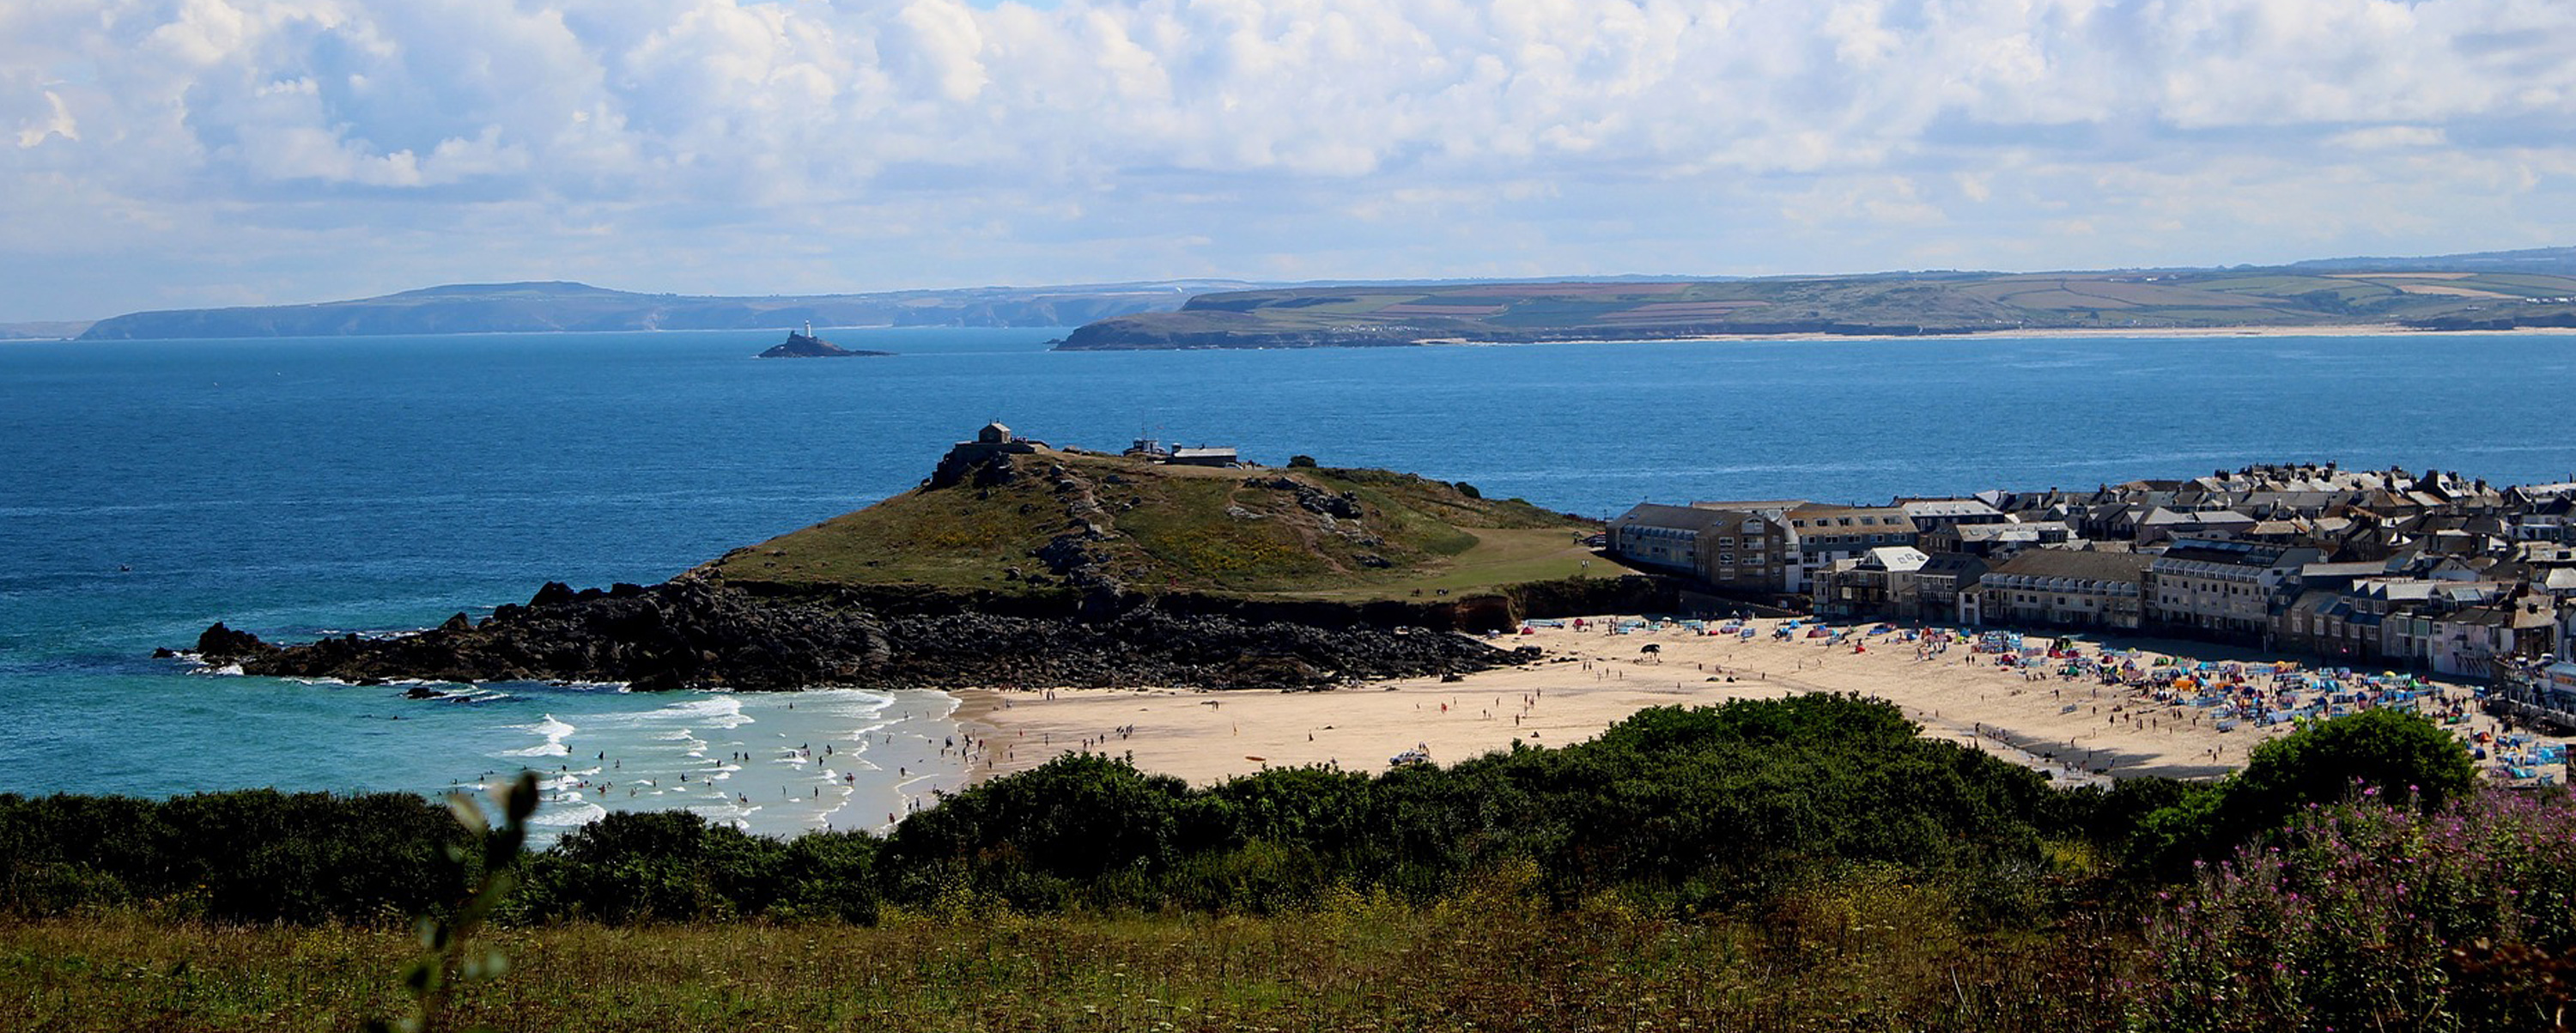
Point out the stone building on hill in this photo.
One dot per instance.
(994, 440)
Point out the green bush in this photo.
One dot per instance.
(254, 855)
(2404, 755)
(675, 866)
(1709, 808)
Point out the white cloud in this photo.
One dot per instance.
(907, 142)
(57, 121)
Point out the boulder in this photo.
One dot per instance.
(218, 644)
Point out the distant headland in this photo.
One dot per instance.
(2488, 291)
(555, 306)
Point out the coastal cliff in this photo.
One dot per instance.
(1017, 564)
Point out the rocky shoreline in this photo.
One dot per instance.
(695, 633)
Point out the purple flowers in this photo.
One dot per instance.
(2347, 918)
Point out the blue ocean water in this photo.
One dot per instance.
(305, 487)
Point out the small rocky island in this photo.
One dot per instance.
(1018, 564)
(807, 346)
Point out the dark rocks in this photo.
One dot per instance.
(220, 644)
(552, 593)
(694, 634)
(1344, 506)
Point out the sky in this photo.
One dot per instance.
(183, 153)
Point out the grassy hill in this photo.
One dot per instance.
(1059, 516)
(1907, 304)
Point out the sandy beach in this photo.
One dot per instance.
(2074, 729)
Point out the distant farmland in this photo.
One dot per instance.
(1903, 305)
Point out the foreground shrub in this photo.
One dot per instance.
(2386, 750)
(2371, 915)
(671, 866)
(254, 855)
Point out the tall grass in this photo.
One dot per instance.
(1867, 957)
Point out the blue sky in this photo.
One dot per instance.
(167, 153)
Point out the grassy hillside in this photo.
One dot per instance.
(1292, 532)
(1900, 304)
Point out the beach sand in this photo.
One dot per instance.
(2075, 730)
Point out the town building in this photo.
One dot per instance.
(2392, 568)
(2066, 588)
(1872, 584)
(1204, 456)
(2219, 589)
(1663, 538)
(1945, 580)
(1822, 534)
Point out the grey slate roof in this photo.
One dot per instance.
(2085, 565)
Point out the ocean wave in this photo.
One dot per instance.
(555, 733)
(721, 711)
(567, 814)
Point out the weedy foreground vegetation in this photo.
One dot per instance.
(1808, 863)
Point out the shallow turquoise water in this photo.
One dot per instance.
(304, 487)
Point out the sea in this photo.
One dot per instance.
(323, 486)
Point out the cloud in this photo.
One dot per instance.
(912, 142)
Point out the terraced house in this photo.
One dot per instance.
(2219, 589)
(2066, 588)
(1823, 534)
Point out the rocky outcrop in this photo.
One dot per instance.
(807, 346)
(220, 643)
(698, 634)
(1344, 505)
